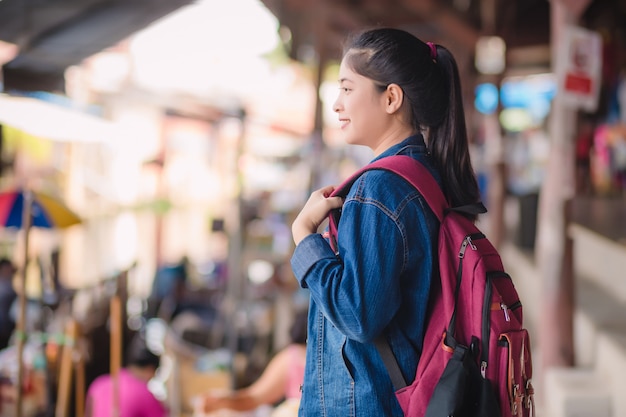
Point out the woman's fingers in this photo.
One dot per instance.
(314, 212)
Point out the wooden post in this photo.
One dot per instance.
(116, 351)
(494, 143)
(318, 157)
(65, 371)
(20, 331)
(496, 187)
(79, 371)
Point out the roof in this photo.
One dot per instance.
(55, 34)
(455, 23)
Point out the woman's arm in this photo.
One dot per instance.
(269, 388)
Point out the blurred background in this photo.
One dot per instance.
(185, 135)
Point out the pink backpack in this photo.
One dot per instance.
(476, 359)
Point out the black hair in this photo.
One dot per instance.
(138, 353)
(432, 92)
(5, 263)
(298, 329)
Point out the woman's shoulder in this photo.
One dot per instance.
(297, 351)
(380, 183)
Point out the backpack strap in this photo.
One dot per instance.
(408, 168)
(412, 171)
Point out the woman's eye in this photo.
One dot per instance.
(344, 89)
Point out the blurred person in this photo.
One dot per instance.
(135, 399)
(584, 144)
(280, 382)
(7, 298)
(397, 95)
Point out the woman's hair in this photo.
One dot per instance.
(138, 353)
(298, 329)
(430, 81)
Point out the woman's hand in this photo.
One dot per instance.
(211, 401)
(314, 212)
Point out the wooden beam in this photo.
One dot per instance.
(446, 19)
(66, 366)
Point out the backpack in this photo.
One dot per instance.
(475, 359)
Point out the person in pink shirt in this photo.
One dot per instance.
(134, 399)
(279, 384)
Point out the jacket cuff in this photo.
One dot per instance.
(308, 252)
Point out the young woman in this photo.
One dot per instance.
(397, 95)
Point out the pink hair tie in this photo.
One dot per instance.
(433, 50)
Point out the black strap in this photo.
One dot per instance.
(451, 333)
(474, 209)
(391, 363)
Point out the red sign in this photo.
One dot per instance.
(578, 83)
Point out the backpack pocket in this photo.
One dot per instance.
(515, 367)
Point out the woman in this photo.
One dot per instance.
(280, 381)
(134, 399)
(398, 95)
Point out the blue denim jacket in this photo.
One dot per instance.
(379, 282)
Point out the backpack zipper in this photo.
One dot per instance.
(487, 306)
(506, 309)
(484, 352)
(468, 241)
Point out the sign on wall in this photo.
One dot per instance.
(579, 68)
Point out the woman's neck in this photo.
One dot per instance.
(392, 138)
(143, 374)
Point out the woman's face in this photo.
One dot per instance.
(361, 108)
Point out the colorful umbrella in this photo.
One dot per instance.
(24, 209)
(46, 211)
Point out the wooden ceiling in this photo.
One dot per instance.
(55, 34)
(457, 24)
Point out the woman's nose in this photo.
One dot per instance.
(336, 106)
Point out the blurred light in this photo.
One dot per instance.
(156, 330)
(216, 49)
(526, 91)
(109, 71)
(285, 34)
(486, 98)
(125, 240)
(124, 178)
(532, 93)
(515, 119)
(490, 55)
(260, 271)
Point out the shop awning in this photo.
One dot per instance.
(53, 122)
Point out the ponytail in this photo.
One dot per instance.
(448, 142)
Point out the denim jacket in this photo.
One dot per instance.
(377, 284)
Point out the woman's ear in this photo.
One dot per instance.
(394, 97)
